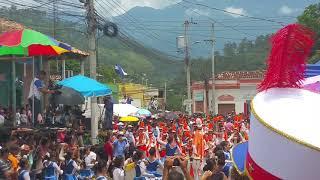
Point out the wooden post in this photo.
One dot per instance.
(14, 95)
(82, 66)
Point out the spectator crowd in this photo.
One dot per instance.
(187, 147)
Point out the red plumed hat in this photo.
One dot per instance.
(291, 47)
(141, 125)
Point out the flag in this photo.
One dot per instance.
(120, 71)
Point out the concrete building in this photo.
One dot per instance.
(233, 92)
(140, 94)
(135, 91)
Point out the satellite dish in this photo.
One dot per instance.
(110, 29)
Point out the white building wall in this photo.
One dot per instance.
(240, 97)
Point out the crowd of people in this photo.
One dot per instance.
(187, 147)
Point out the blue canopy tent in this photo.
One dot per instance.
(86, 86)
(312, 70)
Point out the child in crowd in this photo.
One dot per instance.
(23, 173)
(51, 168)
(71, 167)
(153, 163)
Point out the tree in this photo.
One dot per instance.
(107, 74)
(230, 49)
(311, 18)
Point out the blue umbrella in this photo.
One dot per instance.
(143, 112)
(86, 86)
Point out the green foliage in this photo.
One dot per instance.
(245, 56)
(311, 18)
(107, 74)
(139, 61)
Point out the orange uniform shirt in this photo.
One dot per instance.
(14, 162)
(199, 143)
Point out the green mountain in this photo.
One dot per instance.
(137, 60)
(144, 62)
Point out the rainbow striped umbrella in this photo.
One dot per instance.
(28, 42)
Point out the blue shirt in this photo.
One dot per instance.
(35, 87)
(38, 83)
(171, 151)
(119, 148)
(153, 166)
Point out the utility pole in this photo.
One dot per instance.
(187, 62)
(54, 4)
(165, 94)
(54, 33)
(92, 28)
(213, 74)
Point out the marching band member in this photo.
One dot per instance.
(163, 138)
(143, 138)
(198, 148)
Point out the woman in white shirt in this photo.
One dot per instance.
(118, 171)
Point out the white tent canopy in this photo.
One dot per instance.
(123, 110)
(311, 80)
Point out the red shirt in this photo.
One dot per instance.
(108, 149)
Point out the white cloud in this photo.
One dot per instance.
(197, 12)
(126, 5)
(157, 4)
(286, 10)
(236, 11)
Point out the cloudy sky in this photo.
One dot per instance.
(157, 4)
(126, 5)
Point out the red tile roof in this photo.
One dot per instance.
(237, 75)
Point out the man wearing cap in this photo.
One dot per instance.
(129, 135)
(120, 145)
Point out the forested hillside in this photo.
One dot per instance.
(140, 61)
(131, 55)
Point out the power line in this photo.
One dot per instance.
(130, 42)
(214, 21)
(244, 19)
(132, 19)
(35, 7)
(238, 14)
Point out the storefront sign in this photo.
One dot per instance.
(152, 93)
(198, 96)
(55, 77)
